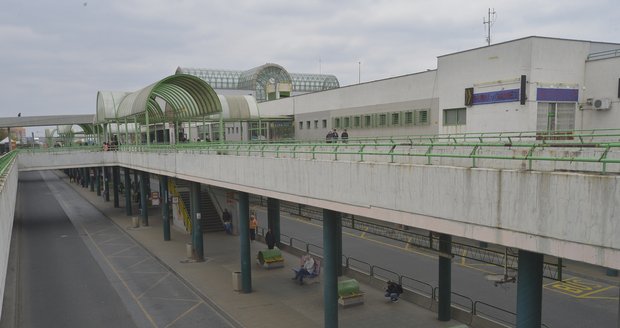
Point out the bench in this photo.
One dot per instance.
(270, 259)
(314, 275)
(349, 293)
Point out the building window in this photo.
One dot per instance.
(382, 119)
(316, 124)
(421, 117)
(555, 116)
(337, 123)
(356, 121)
(395, 119)
(324, 124)
(308, 125)
(454, 116)
(408, 118)
(367, 121)
(347, 122)
(301, 125)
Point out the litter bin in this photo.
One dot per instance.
(135, 222)
(236, 281)
(189, 250)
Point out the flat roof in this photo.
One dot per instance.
(51, 120)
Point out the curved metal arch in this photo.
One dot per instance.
(187, 95)
(107, 105)
(259, 77)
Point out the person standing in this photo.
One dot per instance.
(334, 136)
(344, 136)
(270, 239)
(253, 226)
(227, 217)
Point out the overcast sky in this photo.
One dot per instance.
(56, 54)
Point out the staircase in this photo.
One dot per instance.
(210, 218)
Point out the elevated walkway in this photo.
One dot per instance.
(276, 300)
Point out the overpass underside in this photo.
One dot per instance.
(567, 214)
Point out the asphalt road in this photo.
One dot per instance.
(577, 302)
(59, 282)
(73, 267)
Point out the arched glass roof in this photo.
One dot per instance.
(245, 80)
(314, 82)
(259, 77)
(186, 96)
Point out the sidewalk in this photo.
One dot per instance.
(276, 300)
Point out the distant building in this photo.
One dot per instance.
(266, 82)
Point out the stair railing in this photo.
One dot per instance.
(186, 219)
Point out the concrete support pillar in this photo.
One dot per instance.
(330, 273)
(194, 200)
(116, 179)
(529, 289)
(273, 218)
(106, 184)
(163, 183)
(98, 181)
(244, 239)
(128, 207)
(445, 278)
(143, 198)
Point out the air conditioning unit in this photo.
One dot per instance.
(601, 103)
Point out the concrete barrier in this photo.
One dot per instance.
(8, 197)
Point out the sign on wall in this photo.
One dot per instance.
(553, 95)
(496, 97)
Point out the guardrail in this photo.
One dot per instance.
(460, 301)
(594, 150)
(502, 259)
(6, 161)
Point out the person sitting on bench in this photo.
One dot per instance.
(306, 268)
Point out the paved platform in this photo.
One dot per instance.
(276, 300)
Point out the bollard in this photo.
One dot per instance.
(135, 222)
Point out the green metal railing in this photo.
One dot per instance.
(5, 162)
(598, 147)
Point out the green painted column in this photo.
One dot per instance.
(143, 198)
(445, 278)
(163, 183)
(330, 272)
(273, 218)
(128, 207)
(83, 175)
(91, 178)
(98, 181)
(106, 184)
(116, 179)
(529, 289)
(194, 200)
(338, 244)
(244, 238)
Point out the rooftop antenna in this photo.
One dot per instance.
(489, 22)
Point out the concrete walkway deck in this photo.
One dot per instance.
(276, 300)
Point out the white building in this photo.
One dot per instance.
(529, 84)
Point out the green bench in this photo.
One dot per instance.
(270, 258)
(349, 293)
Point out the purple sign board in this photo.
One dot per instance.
(548, 94)
(496, 97)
